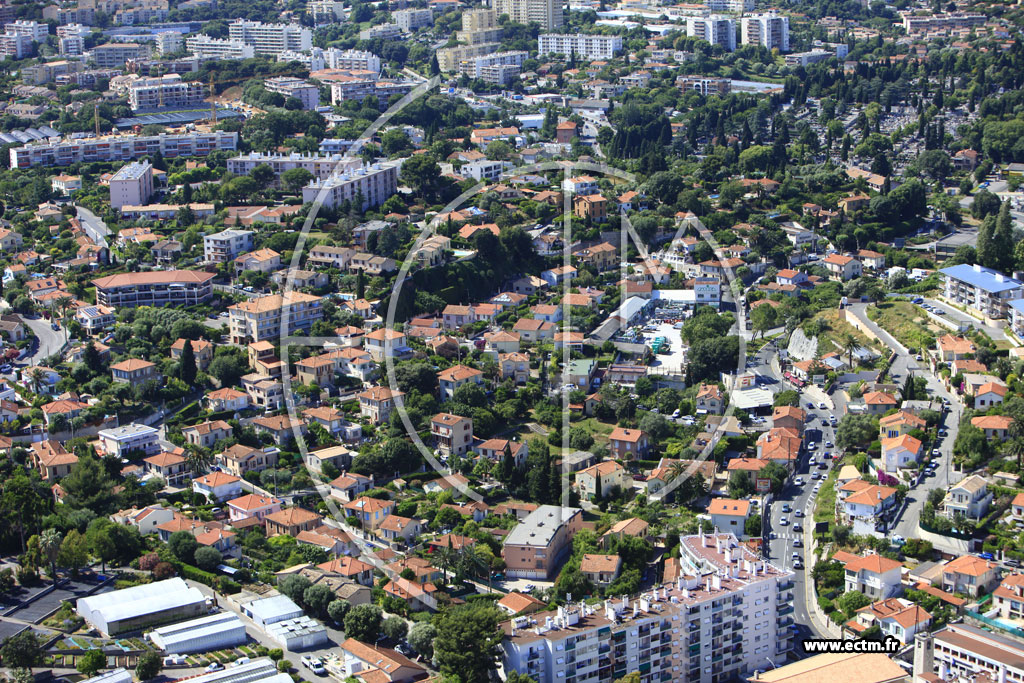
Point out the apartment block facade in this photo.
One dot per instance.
(717, 30)
(271, 39)
(373, 183)
(165, 92)
(157, 288)
(121, 148)
(226, 245)
(768, 29)
(583, 46)
(132, 185)
(262, 318)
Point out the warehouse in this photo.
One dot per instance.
(297, 634)
(135, 608)
(119, 675)
(215, 632)
(262, 670)
(270, 610)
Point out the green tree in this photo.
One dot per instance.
(208, 558)
(467, 642)
(91, 662)
(363, 623)
(149, 665)
(89, 486)
(988, 255)
(183, 545)
(851, 601)
(49, 545)
(337, 610)
(294, 587)
(421, 639)
(752, 527)
(296, 178)
(22, 651)
(763, 318)
(317, 599)
(187, 364)
(855, 430)
(74, 551)
(395, 628)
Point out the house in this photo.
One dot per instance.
(202, 351)
(206, 434)
(376, 664)
(603, 479)
(788, 276)
(134, 371)
(842, 267)
(854, 203)
(879, 402)
(896, 617)
(781, 445)
(899, 452)
(970, 575)
(456, 376)
(996, 427)
(240, 459)
(632, 527)
(873, 575)
(520, 603)
(898, 424)
(52, 460)
(419, 596)
(129, 439)
(290, 521)
(968, 499)
(385, 342)
(351, 568)
(394, 528)
(145, 520)
(1017, 507)
(496, 449)
(871, 259)
(446, 483)
(338, 457)
(370, 512)
(218, 486)
(601, 257)
(709, 400)
(453, 434)
(592, 207)
(600, 570)
(789, 417)
(281, 428)
(989, 394)
(864, 506)
(69, 408)
(1008, 597)
(952, 348)
(376, 403)
(171, 467)
(628, 444)
(728, 515)
(227, 400)
(534, 330)
(555, 277)
(350, 486)
(252, 506)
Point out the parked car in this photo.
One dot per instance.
(216, 666)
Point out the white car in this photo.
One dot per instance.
(799, 481)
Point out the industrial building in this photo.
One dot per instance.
(262, 670)
(135, 608)
(266, 611)
(301, 633)
(215, 632)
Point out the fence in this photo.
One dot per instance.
(994, 623)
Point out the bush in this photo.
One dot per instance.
(148, 562)
(163, 570)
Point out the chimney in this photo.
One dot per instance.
(728, 555)
(716, 582)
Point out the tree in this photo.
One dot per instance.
(187, 364)
(467, 642)
(988, 256)
(337, 610)
(74, 551)
(631, 677)
(422, 173)
(100, 540)
(294, 587)
(91, 662)
(317, 599)
(849, 345)
(851, 601)
(363, 623)
(183, 545)
(855, 430)
(149, 666)
(208, 558)
(514, 676)
(296, 178)
(49, 545)
(763, 318)
(22, 651)
(395, 628)
(1002, 238)
(752, 527)
(89, 486)
(421, 639)
(787, 398)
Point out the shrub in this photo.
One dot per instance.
(163, 570)
(148, 562)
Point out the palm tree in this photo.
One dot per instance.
(473, 562)
(198, 459)
(49, 544)
(445, 557)
(1015, 448)
(36, 378)
(64, 303)
(675, 470)
(849, 345)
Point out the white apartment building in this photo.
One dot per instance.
(77, 30)
(261, 318)
(374, 183)
(303, 91)
(483, 169)
(723, 619)
(114, 55)
(381, 31)
(226, 245)
(730, 5)
(166, 92)
(320, 165)
(981, 289)
(271, 39)
(205, 47)
(352, 59)
(808, 57)
(941, 22)
(547, 13)
(326, 11)
(587, 47)
(122, 440)
(717, 30)
(32, 29)
(120, 148)
(154, 288)
(131, 185)
(705, 85)
(71, 46)
(475, 67)
(768, 29)
(411, 19)
(168, 42)
(15, 46)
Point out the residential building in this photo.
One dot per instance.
(584, 46)
(129, 439)
(134, 371)
(271, 39)
(983, 290)
(114, 55)
(371, 512)
(205, 47)
(996, 427)
(873, 575)
(895, 617)
(165, 93)
(456, 376)
(600, 570)
(218, 486)
(970, 575)
(628, 444)
(900, 452)
(605, 479)
(64, 152)
(704, 85)
(766, 29)
(548, 14)
(226, 245)
(170, 467)
(252, 506)
(842, 267)
(262, 318)
(453, 434)
(989, 394)
(411, 19)
(291, 521)
(304, 91)
(132, 184)
(968, 499)
(374, 183)
(376, 403)
(715, 29)
(729, 516)
(15, 46)
(1008, 597)
(710, 400)
(240, 459)
(154, 288)
(537, 546)
(206, 434)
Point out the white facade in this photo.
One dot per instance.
(32, 29)
(716, 30)
(15, 46)
(374, 183)
(326, 11)
(120, 148)
(271, 39)
(768, 29)
(135, 608)
(585, 46)
(302, 633)
(320, 165)
(166, 92)
(412, 19)
(352, 59)
(226, 245)
(730, 5)
(205, 47)
(475, 67)
(120, 441)
(132, 185)
(168, 42)
(72, 46)
(305, 92)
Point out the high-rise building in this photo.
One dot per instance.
(716, 30)
(352, 59)
(15, 46)
(549, 14)
(411, 19)
(32, 29)
(71, 45)
(373, 184)
(205, 47)
(321, 166)
(723, 619)
(168, 42)
(497, 67)
(479, 26)
(583, 46)
(449, 58)
(120, 148)
(271, 39)
(166, 92)
(132, 184)
(768, 29)
(326, 11)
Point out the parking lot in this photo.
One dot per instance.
(673, 360)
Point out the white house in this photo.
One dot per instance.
(970, 498)
(898, 452)
(873, 575)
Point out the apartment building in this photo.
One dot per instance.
(304, 91)
(168, 42)
(715, 29)
(33, 29)
(166, 93)
(704, 85)
(157, 288)
(730, 5)
(962, 652)
(484, 67)
(320, 165)
(449, 58)
(767, 29)
(981, 289)
(723, 619)
(588, 47)
(271, 39)
(373, 183)
(114, 55)
(72, 46)
(205, 47)
(15, 46)
(453, 435)
(546, 13)
(226, 245)
(479, 26)
(941, 22)
(810, 57)
(326, 11)
(132, 185)
(411, 19)
(120, 148)
(262, 318)
(129, 438)
(361, 60)
(538, 545)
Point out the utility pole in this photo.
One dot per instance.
(96, 117)
(213, 104)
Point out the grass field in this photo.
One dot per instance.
(905, 321)
(837, 329)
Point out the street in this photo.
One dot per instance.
(94, 227)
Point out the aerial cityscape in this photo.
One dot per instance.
(459, 341)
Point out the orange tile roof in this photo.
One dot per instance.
(728, 506)
(874, 563)
(595, 564)
(969, 565)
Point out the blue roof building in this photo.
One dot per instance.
(981, 289)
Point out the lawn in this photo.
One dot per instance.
(905, 321)
(837, 329)
(825, 503)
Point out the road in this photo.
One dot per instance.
(94, 227)
(906, 524)
(50, 340)
(957, 315)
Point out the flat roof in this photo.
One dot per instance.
(276, 606)
(540, 526)
(984, 278)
